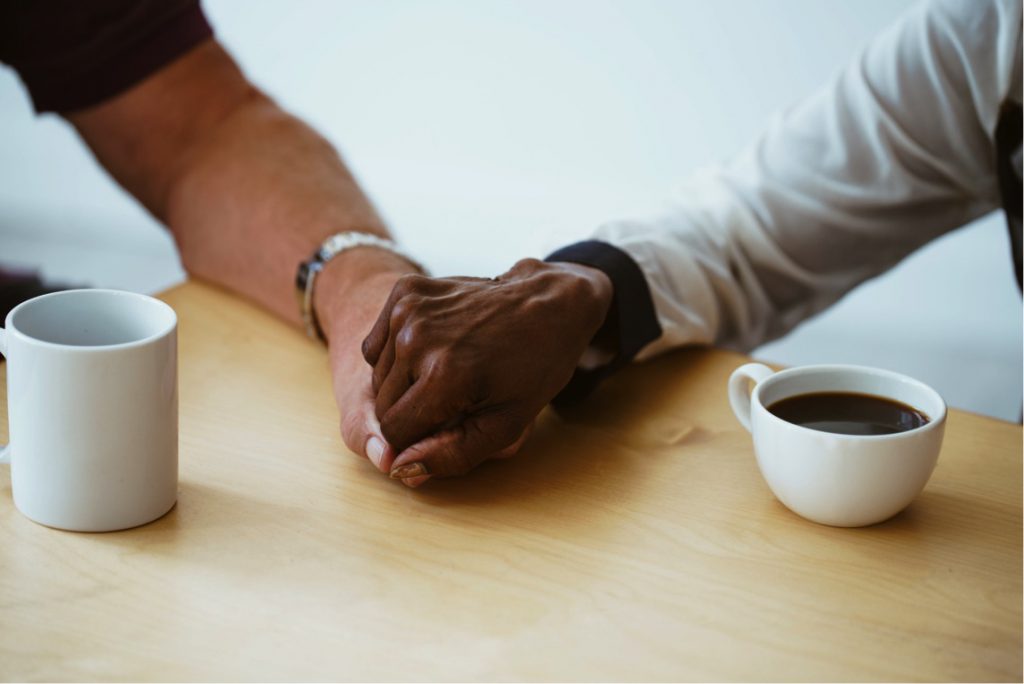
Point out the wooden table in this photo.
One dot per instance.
(632, 539)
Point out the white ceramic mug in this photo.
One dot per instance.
(838, 479)
(92, 397)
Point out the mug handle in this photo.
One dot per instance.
(5, 449)
(740, 389)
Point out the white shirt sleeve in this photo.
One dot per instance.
(894, 152)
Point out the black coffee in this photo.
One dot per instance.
(848, 413)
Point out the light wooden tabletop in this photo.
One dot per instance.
(633, 539)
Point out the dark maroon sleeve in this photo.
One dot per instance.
(73, 54)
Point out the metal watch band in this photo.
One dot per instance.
(305, 278)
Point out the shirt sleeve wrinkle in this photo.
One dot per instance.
(892, 153)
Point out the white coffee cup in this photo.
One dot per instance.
(838, 479)
(92, 397)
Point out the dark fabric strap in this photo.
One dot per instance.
(73, 54)
(1008, 142)
(632, 321)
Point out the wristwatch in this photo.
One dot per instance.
(305, 278)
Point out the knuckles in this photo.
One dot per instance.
(410, 282)
(444, 334)
(401, 310)
(409, 339)
(528, 265)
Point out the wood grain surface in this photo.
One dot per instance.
(633, 539)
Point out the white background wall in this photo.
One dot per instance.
(491, 130)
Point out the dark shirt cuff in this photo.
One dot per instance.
(632, 321)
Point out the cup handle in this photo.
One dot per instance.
(740, 389)
(5, 449)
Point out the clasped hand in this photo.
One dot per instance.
(462, 366)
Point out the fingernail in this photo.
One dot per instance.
(415, 482)
(409, 470)
(375, 450)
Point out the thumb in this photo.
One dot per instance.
(457, 450)
(362, 434)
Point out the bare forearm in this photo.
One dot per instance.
(247, 190)
(257, 197)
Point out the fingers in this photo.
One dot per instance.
(376, 340)
(385, 362)
(396, 332)
(395, 385)
(458, 450)
(421, 411)
(507, 452)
